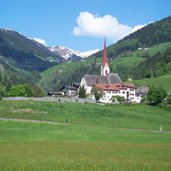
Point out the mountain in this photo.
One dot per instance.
(152, 42)
(143, 54)
(24, 53)
(150, 35)
(71, 55)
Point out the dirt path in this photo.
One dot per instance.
(29, 120)
(50, 122)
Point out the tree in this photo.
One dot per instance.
(82, 92)
(97, 92)
(156, 95)
(119, 99)
(2, 90)
(37, 91)
(20, 90)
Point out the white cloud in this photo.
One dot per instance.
(41, 41)
(135, 28)
(105, 26)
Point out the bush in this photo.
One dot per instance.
(82, 92)
(20, 90)
(37, 91)
(118, 99)
(156, 95)
(97, 92)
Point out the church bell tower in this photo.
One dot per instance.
(105, 70)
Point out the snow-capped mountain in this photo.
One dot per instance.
(69, 54)
(86, 54)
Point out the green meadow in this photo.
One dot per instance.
(84, 137)
(163, 81)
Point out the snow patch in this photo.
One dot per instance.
(67, 53)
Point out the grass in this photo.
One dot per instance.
(135, 116)
(95, 138)
(128, 62)
(160, 48)
(163, 81)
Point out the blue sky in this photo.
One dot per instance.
(80, 24)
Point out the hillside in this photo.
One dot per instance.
(153, 42)
(143, 54)
(62, 74)
(150, 35)
(25, 53)
(66, 73)
(129, 66)
(163, 81)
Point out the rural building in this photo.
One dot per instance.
(141, 92)
(71, 90)
(110, 83)
(117, 89)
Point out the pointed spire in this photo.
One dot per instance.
(104, 60)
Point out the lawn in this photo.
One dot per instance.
(96, 137)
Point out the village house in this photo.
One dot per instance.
(117, 89)
(110, 83)
(140, 93)
(71, 90)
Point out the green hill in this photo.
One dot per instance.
(133, 65)
(62, 74)
(163, 81)
(152, 42)
(150, 35)
(25, 53)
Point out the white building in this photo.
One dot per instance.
(88, 81)
(117, 89)
(110, 83)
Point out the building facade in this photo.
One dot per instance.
(109, 83)
(110, 91)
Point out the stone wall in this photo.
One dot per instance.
(53, 99)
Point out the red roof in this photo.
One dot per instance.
(115, 87)
(104, 60)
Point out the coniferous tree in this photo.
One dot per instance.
(82, 92)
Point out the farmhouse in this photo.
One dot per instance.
(109, 83)
(117, 89)
(141, 92)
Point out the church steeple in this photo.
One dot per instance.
(105, 70)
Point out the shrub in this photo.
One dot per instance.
(20, 90)
(82, 92)
(118, 99)
(97, 92)
(156, 95)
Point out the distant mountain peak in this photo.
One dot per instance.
(68, 53)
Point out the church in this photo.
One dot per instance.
(110, 83)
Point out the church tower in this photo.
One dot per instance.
(105, 70)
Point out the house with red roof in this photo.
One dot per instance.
(117, 89)
(109, 83)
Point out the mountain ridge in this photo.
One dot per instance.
(70, 54)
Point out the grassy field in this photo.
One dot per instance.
(96, 137)
(163, 81)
